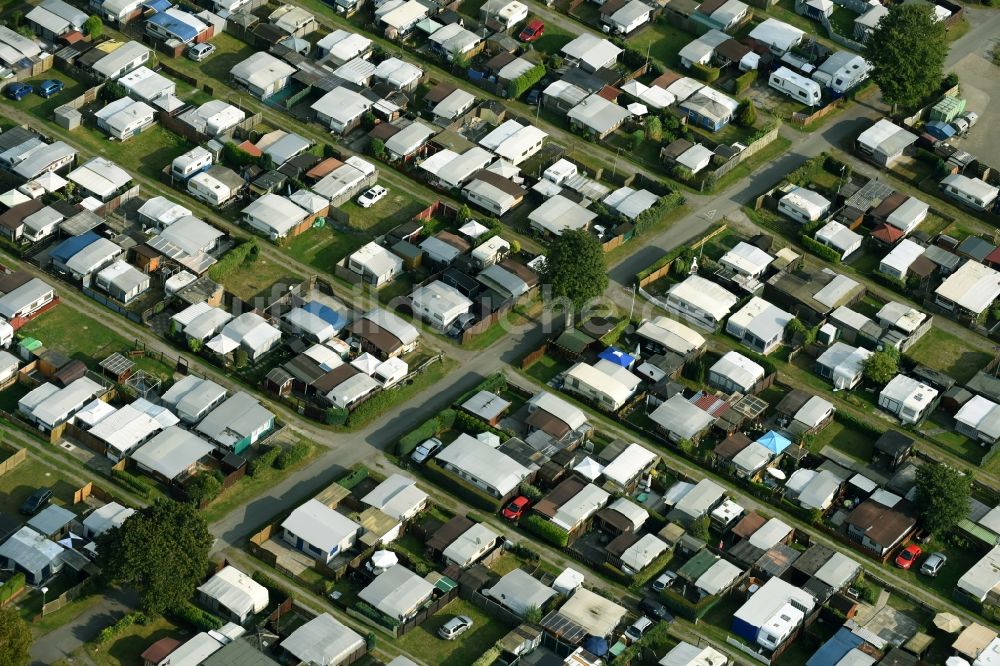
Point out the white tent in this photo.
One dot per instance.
(473, 229)
(637, 109)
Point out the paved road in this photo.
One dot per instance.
(65, 640)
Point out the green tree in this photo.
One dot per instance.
(161, 551)
(575, 267)
(882, 366)
(699, 528)
(654, 128)
(942, 497)
(93, 27)
(368, 120)
(194, 344)
(746, 114)
(203, 487)
(636, 140)
(377, 148)
(515, 246)
(532, 615)
(464, 214)
(235, 157)
(460, 61)
(15, 19)
(15, 638)
(907, 52)
(241, 358)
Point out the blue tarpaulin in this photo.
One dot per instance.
(774, 442)
(617, 356)
(175, 27)
(835, 649)
(327, 314)
(157, 5)
(69, 247)
(939, 129)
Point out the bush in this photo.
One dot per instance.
(203, 488)
(546, 530)
(640, 579)
(525, 82)
(196, 618)
(335, 416)
(277, 590)
(264, 461)
(746, 114)
(370, 611)
(533, 493)
(820, 250)
(354, 477)
(118, 628)
(293, 455)
(134, 483)
(411, 440)
(745, 80)
(11, 587)
(244, 254)
(473, 425)
(704, 72)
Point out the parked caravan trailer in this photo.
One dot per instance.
(795, 86)
(843, 74)
(192, 162)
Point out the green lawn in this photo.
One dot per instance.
(552, 40)
(397, 207)
(146, 153)
(125, 650)
(462, 651)
(846, 438)
(842, 21)
(945, 352)
(230, 51)
(545, 369)
(43, 108)
(323, 247)
(17, 484)
(75, 334)
(662, 42)
(258, 278)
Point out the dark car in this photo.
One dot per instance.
(18, 91)
(36, 501)
(532, 31)
(50, 87)
(531, 99)
(655, 609)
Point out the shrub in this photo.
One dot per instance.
(335, 416)
(11, 587)
(533, 493)
(354, 477)
(704, 72)
(196, 618)
(240, 358)
(277, 590)
(119, 627)
(203, 488)
(525, 82)
(820, 250)
(264, 461)
(293, 455)
(473, 425)
(377, 148)
(370, 611)
(244, 254)
(746, 114)
(745, 80)
(546, 530)
(134, 483)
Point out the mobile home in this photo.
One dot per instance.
(795, 86)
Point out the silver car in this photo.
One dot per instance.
(425, 450)
(455, 627)
(932, 565)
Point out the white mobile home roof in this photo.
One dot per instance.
(402, 329)
(396, 497)
(975, 187)
(323, 641)
(458, 170)
(641, 554)
(747, 258)
(237, 417)
(119, 58)
(49, 405)
(718, 577)
(812, 203)
(902, 256)
(469, 543)
(580, 507)
(839, 237)
(396, 591)
(672, 334)
(572, 416)
(398, 73)
(778, 34)
(704, 295)
(126, 428)
(983, 576)
(32, 550)
(455, 103)
(591, 50)
(631, 202)
(319, 525)
(598, 616)
(343, 45)
(274, 212)
(410, 138)
(92, 257)
(519, 591)
(146, 84)
(236, 591)
(738, 368)
(172, 451)
(598, 114)
(13, 302)
(511, 139)
(591, 377)
(105, 517)
(886, 137)
(972, 287)
(909, 213)
(484, 462)
(700, 499)
(681, 417)
(100, 176)
(261, 69)
(559, 214)
(686, 654)
(629, 463)
(770, 534)
(771, 596)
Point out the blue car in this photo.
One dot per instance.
(18, 91)
(50, 87)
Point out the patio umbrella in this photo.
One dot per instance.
(777, 473)
(948, 622)
(383, 559)
(637, 109)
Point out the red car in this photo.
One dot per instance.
(516, 508)
(532, 31)
(908, 556)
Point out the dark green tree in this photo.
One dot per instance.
(699, 528)
(942, 497)
(464, 214)
(377, 148)
(161, 551)
(882, 366)
(907, 52)
(654, 128)
(93, 27)
(575, 267)
(746, 114)
(15, 638)
(241, 358)
(203, 487)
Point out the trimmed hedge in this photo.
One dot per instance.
(745, 80)
(525, 82)
(276, 589)
(134, 483)
(852, 420)
(686, 609)
(474, 425)
(461, 488)
(495, 383)
(639, 580)
(704, 72)
(820, 250)
(118, 628)
(196, 618)
(11, 587)
(292, 455)
(353, 478)
(411, 440)
(242, 255)
(546, 530)
(264, 461)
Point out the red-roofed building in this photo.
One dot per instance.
(887, 234)
(609, 93)
(714, 405)
(993, 259)
(250, 148)
(159, 651)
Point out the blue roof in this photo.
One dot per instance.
(939, 129)
(178, 29)
(835, 649)
(617, 356)
(69, 247)
(774, 442)
(157, 5)
(326, 313)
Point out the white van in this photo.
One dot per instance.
(795, 86)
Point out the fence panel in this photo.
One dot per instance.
(13, 460)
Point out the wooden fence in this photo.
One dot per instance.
(664, 270)
(90, 490)
(748, 152)
(88, 97)
(804, 119)
(425, 613)
(69, 595)
(18, 456)
(533, 357)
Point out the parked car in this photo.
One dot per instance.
(653, 608)
(461, 323)
(50, 87)
(18, 91)
(425, 450)
(664, 580)
(638, 628)
(36, 501)
(970, 117)
(372, 196)
(455, 627)
(199, 52)
(532, 31)
(932, 565)
(533, 97)
(516, 508)
(908, 556)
